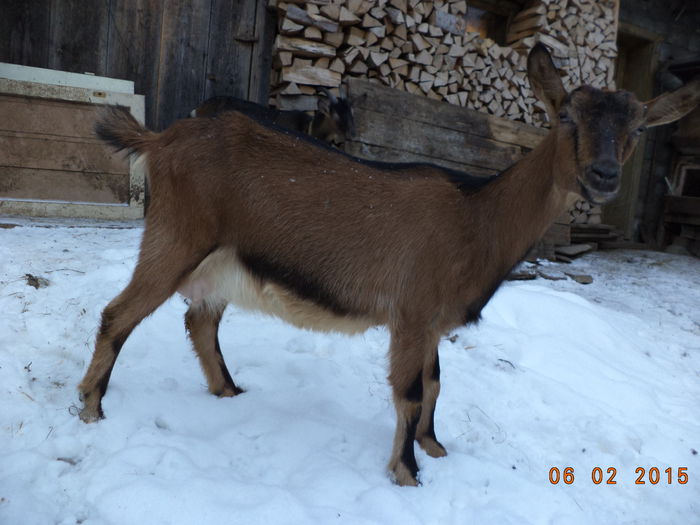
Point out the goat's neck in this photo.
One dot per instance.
(528, 196)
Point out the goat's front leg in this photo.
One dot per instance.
(425, 432)
(408, 354)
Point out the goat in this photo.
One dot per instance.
(272, 222)
(333, 122)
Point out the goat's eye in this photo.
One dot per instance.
(565, 118)
(640, 130)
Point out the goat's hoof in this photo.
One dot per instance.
(403, 476)
(432, 447)
(90, 416)
(229, 391)
(90, 412)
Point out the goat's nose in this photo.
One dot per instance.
(606, 169)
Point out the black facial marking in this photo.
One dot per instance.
(301, 283)
(436, 368)
(408, 458)
(415, 391)
(343, 114)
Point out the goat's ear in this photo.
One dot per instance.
(324, 105)
(672, 106)
(545, 81)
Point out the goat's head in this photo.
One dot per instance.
(597, 130)
(338, 111)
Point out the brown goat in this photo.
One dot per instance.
(272, 222)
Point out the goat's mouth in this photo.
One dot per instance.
(597, 189)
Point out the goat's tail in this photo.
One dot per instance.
(118, 127)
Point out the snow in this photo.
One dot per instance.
(557, 374)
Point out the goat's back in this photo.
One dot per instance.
(292, 205)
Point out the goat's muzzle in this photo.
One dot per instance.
(600, 182)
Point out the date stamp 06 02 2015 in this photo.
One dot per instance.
(652, 476)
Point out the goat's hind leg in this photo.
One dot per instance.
(202, 323)
(155, 279)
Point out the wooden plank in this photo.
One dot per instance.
(683, 205)
(134, 27)
(558, 235)
(51, 146)
(229, 53)
(48, 151)
(366, 95)
(36, 115)
(24, 32)
(683, 219)
(261, 63)
(78, 36)
(51, 152)
(304, 48)
(184, 43)
(307, 19)
(433, 141)
(309, 75)
(373, 152)
(63, 185)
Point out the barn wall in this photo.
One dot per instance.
(676, 24)
(176, 52)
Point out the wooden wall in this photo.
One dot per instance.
(177, 52)
(395, 126)
(674, 25)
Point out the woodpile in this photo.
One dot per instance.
(424, 47)
(583, 212)
(581, 33)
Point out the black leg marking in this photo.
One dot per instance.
(102, 383)
(408, 457)
(107, 319)
(415, 391)
(224, 371)
(431, 429)
(436, 368)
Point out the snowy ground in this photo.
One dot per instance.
(558, 374)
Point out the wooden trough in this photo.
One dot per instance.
(51, 163)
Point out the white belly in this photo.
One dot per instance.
(221, 279)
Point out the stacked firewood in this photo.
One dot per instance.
(582, 33)
(426, 48)
(584, 212)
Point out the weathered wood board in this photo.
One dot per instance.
(177, 53)
(51, 163)
(396, 125)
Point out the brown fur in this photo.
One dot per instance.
(273, 222)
